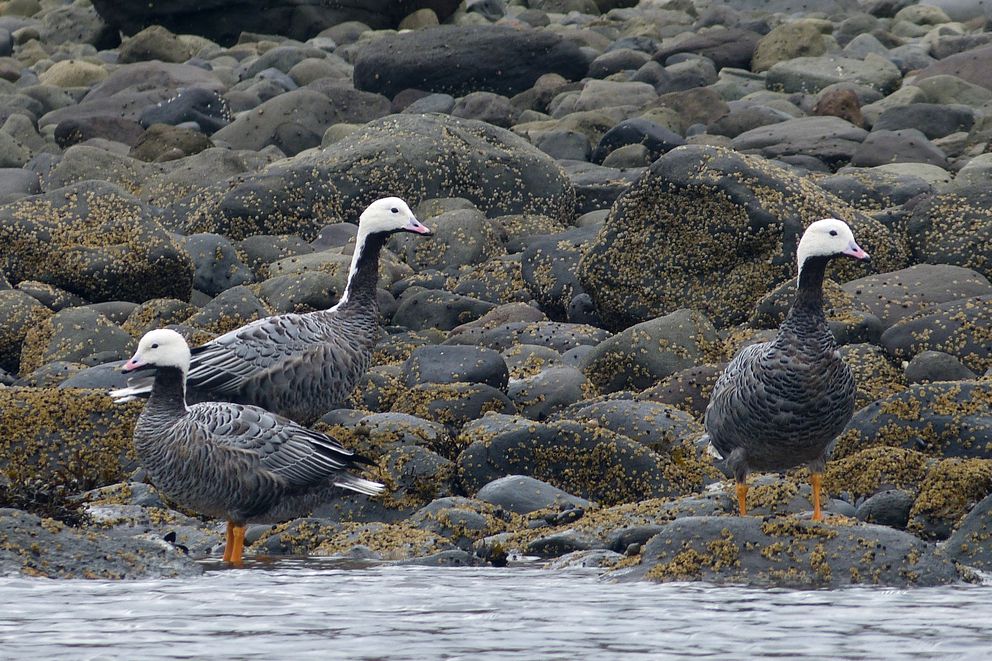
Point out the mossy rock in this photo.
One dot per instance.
(498, 280)
(452, 404)
(941, 419)
(157, 313)
(78, 335)
(385, 541)
(550, 265)
(20, 313)
(961, 328)
(714, 230)
(788, 552)
(869, 471)
(75, 437)
(954, 227)
(950, 490)
(95, 240)
(40, 547)
(658, 426)
(463, 521)
(652, 350)
(580, 458)
(416, 157)
(688, 389)
(971, 543)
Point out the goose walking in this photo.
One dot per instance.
(301, 365)
(231, 461)
(782, 403)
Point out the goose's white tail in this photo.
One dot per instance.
(136, 389)
(368, 487)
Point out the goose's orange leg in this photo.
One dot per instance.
(239, 545)
(816, 480)
(742, 498)
(229, 542)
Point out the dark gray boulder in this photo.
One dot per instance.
(451, 364)
(637, 131)
(713, 230)
(787, 552)
(77, 335)
(656, 425)
(900, 146)
(32, 546)
(549, 265)
(463, 59)
(887, 508)
(647, 352)
(216, 264)
(421, 308)
(953, 228)
(579, 458)
(224, 21)
(830, 139)
(932, 119)
(541, 395)
(416, 157)
(936, 366)
(943, 419)
(908, 292)
(20, 313)
(960, 328)
(523, 494)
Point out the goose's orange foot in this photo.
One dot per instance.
(742, 498)
(229, 542)
(238, 546)
(816, 480)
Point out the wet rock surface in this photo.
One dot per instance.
(616, 191)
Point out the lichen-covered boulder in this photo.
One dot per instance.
(65, 436)
(79, 335)
(20, 313)
(788, 552)
(971, 543)
(942, 419)
(954, 228)
(416, 157)
(652, 350)
(713, 230)
(581, 458)
(95, 240)
(951, 488)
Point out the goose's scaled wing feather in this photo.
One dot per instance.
(299, 455)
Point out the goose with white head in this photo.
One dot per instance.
(231, 461)
(782, 403)
(302, 365)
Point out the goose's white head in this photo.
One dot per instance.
(828, 238)
(388, 215)
(160, 348)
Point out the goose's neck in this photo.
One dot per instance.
(808, 304)
(168, 392)
(363, 276)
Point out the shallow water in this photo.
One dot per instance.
(318, 610)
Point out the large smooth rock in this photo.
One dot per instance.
(95, 240)
(911, 291)
(969, 544)
(76, 335)
(830, 139)
(297, 19)
(786, 552)
(974, 66)
(812, 74)
(416, 157)
(452, 364)
(713, 230)
(523, 494)
(459, 60)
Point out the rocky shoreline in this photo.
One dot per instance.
(616, 190)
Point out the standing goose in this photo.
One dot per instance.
(782, 403)
(231, 461)
(301, 365)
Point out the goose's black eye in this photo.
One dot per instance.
(395, 210)
(833, 232)
(155, 346)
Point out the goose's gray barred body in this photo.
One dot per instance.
(782, 403)
(232, 461)
(301, 365)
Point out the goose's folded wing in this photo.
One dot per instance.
(226, 363)
(301, 456)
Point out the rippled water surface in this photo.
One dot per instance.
(320, 610)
